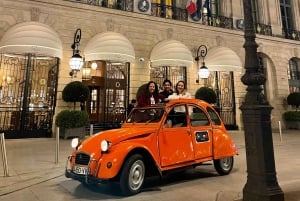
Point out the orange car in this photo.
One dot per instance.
(153, 140)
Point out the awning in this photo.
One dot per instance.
(171, 53)
(109, 46)
(222, 59)
(31, 37)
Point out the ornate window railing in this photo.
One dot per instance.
(291, 34)
(223, 22)
(169, 12)
(263, 29)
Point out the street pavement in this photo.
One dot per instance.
(36, 173)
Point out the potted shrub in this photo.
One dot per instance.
(73, 122)
(292, 118)
(207, 94)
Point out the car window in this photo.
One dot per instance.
(213, 116)
(148, 115)
(198, 117)
(176, 117)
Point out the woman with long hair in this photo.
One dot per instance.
(150, 96)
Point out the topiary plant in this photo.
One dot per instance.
(75, 91)
(206, 94)
(294, 99)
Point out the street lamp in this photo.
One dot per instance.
(261, 183)
(76, 61)
(203, 71)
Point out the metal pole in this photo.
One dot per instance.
(4, 158)
(91, 129)
(280, 132)
(57, 145)
(262, 182)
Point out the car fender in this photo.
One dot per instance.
(223, 145)
(117, 156)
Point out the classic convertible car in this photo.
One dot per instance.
(152, 141)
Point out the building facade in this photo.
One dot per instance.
(127, 43)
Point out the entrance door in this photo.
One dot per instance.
(27, 95)
(116, 94)
(108, 100)
(223, 85)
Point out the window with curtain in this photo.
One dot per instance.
(255, 13)
(294, 75)
(286, 16)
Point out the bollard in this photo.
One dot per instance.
(4, 158)
(280, 133)
(57, 146)
(91, 129)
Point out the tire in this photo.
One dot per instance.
(224, 165)
(132, 175)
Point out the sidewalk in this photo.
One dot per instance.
(32, 161)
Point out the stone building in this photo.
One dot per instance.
(126, 43)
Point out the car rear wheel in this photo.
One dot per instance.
(224, 165)
(132, 175)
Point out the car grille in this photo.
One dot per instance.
(82, 159)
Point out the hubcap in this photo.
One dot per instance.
(136, 175)
(226, 163)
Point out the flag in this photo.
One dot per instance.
(196, 16)
(207, 6)
(191, 7)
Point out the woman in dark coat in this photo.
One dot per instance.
(150, 96)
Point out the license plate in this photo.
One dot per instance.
(80, 170)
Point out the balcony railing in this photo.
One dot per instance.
(291, 34)
(180, 14)
(163, 11)
(264, 29)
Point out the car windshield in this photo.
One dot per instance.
(145, 115)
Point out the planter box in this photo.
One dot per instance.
(72, 132)
(292, 125)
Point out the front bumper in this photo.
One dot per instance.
(87, 178)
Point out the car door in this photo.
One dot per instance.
(175, 138)
(201, 132)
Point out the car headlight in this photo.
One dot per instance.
(105, 145)
(74, 143)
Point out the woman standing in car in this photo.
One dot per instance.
(180, 92)
(150, 96)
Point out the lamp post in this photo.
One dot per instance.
(261, 182)
(76, 61)
(203, 71)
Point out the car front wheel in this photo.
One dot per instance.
(132, 175)
(224, 165)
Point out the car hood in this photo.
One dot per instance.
(114, 136)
